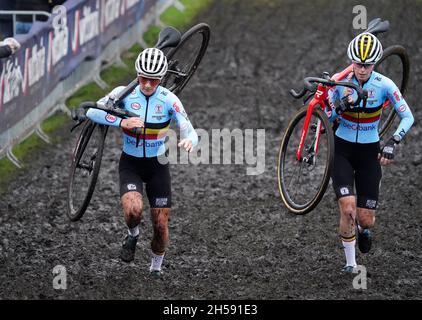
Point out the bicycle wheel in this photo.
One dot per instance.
(185, 58)
(86, 162)
(395, 65)
(302, 184)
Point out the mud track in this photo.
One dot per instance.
(231, 237)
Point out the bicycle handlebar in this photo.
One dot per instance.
(309, 86)
(79, 114)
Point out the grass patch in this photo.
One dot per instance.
(23, 149)
(6, 173)
(55, 121)
(151, 35)
(90, 92)
(135, 49)
(117, 76)
(179, 19)
(182, 20)
(52, 124)
(130, 56)
(173, 17)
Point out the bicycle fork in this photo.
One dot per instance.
(312, 150)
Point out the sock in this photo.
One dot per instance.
(134, 232)
(349, 251)
(156, 262)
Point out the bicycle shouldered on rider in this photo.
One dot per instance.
(143, 144)
(358, 156)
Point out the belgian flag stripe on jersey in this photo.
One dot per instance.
(151, 133)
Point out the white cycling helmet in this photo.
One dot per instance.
(365, 48)
(151, 63)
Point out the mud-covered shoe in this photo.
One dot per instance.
(347, 269)
(127, 254)
(364, 241)
(156, 274)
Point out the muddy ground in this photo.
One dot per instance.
(231, 236)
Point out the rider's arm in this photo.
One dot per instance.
(102, 117)
(179, 115)
(401, 107)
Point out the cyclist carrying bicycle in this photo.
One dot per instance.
(139, 162)
(358, 157)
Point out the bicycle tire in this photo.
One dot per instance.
(301, 209)
(401, 53)
(177, 83)
(75, 211)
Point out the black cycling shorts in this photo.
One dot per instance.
(134, 171)
(357, 163)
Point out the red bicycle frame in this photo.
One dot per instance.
(318, 99)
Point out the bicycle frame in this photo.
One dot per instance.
(318, 99)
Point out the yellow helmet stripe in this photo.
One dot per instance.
(364, 55)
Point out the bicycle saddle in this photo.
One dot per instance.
(376, 26)
(168, 37)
